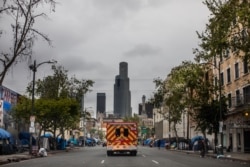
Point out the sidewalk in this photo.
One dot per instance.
(4, 159)
(233, 156)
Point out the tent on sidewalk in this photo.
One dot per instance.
(4, 134)
(24, 137)
(6, 147)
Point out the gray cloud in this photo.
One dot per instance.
(91, 37)
(142, 50)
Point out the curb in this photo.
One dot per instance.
(22, 157)
(215, 156)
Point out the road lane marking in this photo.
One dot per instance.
(155, 162)
(102, 162)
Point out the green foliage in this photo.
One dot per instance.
(61, 86)
(227, 29)
(181, 82)
(209, 115)
(158, 97)
(58, 104)
(22, 110)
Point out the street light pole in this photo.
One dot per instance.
(221, 122)
(32, 121)
(154, 122)
(84, 127)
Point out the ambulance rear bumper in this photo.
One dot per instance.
(121, 148)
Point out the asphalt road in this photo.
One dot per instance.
(146, 157)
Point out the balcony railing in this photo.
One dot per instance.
(239, 101)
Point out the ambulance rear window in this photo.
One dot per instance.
(117, 132)
(126, 132)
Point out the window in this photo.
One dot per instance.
(228, 75)
(229, 96)
(238, 101)
(126, 132)
(221, 79)
(206, 76)
(226, 52)
(245, 66)
(246, 95)
(117, 132)
(216, 81)
(244, 34)
(237, 72)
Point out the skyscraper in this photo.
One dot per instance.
(122, 95)
(101, 103)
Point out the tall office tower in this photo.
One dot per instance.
(101, 103)
(122, 95)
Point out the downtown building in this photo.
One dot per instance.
(101, 103)
(122, 95)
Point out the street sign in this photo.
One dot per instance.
(32, 124)
(143, 130)
(32, 129)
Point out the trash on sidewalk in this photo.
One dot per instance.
(42, 152)
(34, 150)
(219, 150)
(220, 156)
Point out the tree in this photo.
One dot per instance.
(181, 84)
(58, 104)
(24, 14)
(227, 29)
(61, 86)
(158, 96)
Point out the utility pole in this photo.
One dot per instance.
(32, 117)
(221, 121)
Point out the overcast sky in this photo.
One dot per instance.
(91, 37)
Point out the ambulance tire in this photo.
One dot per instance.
(109, 153)
(133, 153)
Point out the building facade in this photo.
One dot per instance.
(101, 103)
(235, 82)
(146, 108)
(8, 99)
(122, 95)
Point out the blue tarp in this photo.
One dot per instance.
(147, 141)
(196, 138)
(25, 138)
(4, 134)
(48, 135)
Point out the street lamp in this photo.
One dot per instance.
(33, 68)
(221, 122)
(154, 123)
(220, 102)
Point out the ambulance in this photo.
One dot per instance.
(122, 137)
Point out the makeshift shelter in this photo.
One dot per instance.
(5, 145)
(24, 137)
(4, 134)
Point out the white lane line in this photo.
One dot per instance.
(155, 162)
(102, 162)
(144, 155)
